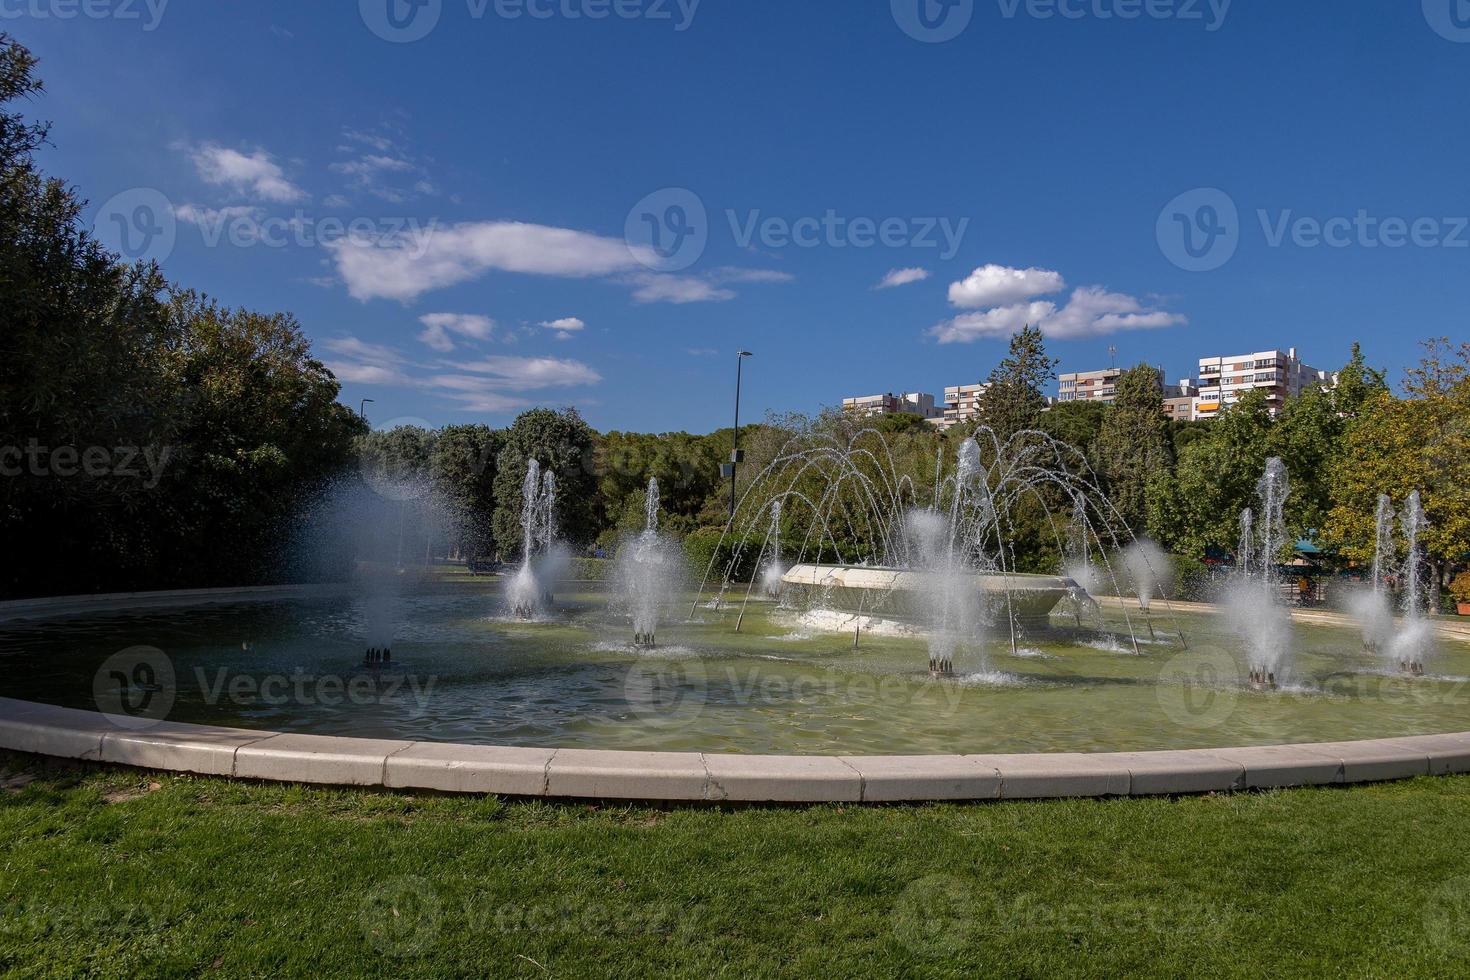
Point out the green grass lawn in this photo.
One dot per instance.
(117, 873)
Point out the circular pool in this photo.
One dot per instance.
(788, 683)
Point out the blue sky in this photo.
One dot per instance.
(506, 173)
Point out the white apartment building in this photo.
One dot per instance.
(911, 403)
(961, 404)
(1223, 381)
(1092, 386)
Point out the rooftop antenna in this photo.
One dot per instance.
(1112, 356)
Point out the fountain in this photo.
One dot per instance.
(1147, 566)
(773, 571)
(1254, 599)
(1372, 607)
(648, 574)
(1409, 648)
(528, 594)
(878, 549)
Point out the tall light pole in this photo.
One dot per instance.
(362, 408)
(736, 456)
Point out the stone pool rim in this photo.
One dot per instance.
(677, 777)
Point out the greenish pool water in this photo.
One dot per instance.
(464, 673)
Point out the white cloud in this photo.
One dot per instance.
(652, 287)
(1091, 312)
(565, 328)
(527, 373)
(439, 326)
(999, 285)
(404, 267)
(210, 218)
(902, 277)
(407, 265)
(999, 322)
(1095, 312)
(253, 173)
(493, 384)
(731, 274)
(660, 288)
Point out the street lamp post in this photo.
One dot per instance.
(362, 408)
(736, 456)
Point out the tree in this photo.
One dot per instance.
(1077, 423)
(261, 432)
(1015, 399)
(565, 445)
(163, 441)
(1400, 445)
(1197, 507)
(1357, 384)
(1133, 444)
(463, 468)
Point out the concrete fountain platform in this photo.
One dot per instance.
(693, 777)
(690, 777)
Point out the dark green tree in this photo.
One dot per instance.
(563, 444)
(1133, 445)
(463, 466)
(1357, 384)
(1016, 396)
